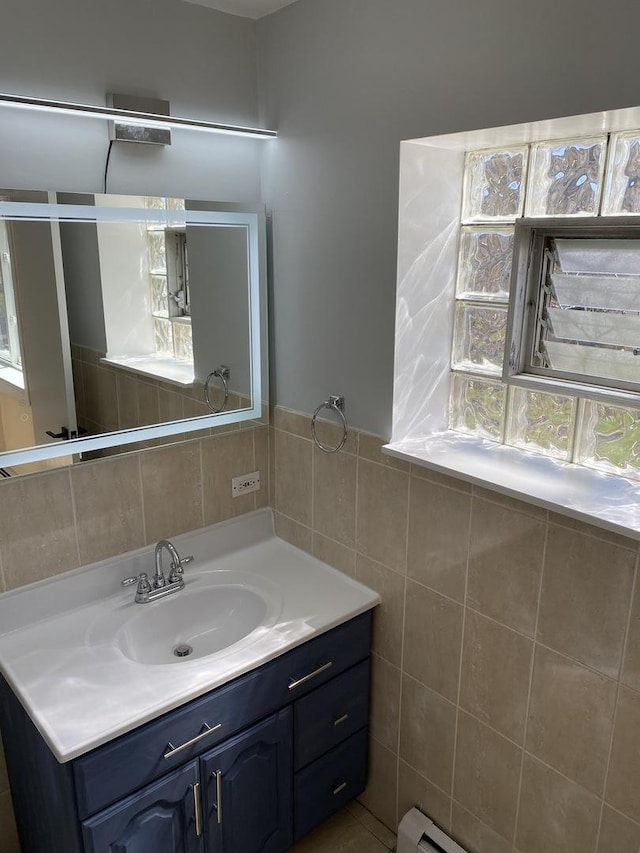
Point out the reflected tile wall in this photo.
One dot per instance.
(480, 702)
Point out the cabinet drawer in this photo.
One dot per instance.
(329, 783)
(331, 714)
(135, 759)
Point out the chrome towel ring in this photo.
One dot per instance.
(335, 404)
(222, 373)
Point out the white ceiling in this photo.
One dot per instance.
(245, 8)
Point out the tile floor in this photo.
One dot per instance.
(353, 830)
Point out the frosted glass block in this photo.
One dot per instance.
(157, 251)
(622, 186)
(479, 338)
(154, 202)
(543, 423)
(494, 184)
(609, 439)
(566, 178)
(182, 340)
(477, 407)
(484, 268)
(162, 336)
(175, 204)
(159, 296)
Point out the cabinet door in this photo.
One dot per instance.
(247, 790)
(160, 818)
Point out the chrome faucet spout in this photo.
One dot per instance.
(160, 587)
(159, 579)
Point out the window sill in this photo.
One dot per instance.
(158, 367)
(604, 500)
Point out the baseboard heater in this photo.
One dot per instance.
(418, 834)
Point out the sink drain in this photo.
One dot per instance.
(182, 650)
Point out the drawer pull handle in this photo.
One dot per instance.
(340, 720)
(218, 775)
(305, 678)
(339, 788)
(196, 808)
(174, 750)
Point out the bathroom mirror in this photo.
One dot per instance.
(125, 319)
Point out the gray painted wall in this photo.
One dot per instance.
(202, 61)
(344, 81)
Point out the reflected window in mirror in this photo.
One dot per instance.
(10, 355)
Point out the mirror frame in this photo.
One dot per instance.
(197, 213)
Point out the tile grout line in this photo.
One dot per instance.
(356, 496)
(464, 619)
(620, 682)
(141, 484)
(519, 633)
(530, 688)
(74, 513)
(402, 645)
(201, 465)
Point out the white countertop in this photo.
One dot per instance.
(58, 654)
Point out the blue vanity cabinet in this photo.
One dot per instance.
(246, 787)
(161, 818)
(249, 767)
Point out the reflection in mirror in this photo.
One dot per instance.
(123, 320)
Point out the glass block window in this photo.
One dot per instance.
(484, 270)
(477, 407)
(583, 324)
(479, 337)
(566, 178)
(541, 422)
(622, 189)
(169, 292)
(494, 185)
(609, 439)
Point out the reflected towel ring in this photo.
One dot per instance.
(223, 373)
(336, 404)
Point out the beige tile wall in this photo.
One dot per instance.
(55, 521)
(506, 667)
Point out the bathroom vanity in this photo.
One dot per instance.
(112, 746)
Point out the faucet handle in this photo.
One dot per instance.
(177, 569)
(142, 580)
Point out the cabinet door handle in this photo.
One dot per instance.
(218, 775)
(339, 788)
(339, 720)
(174, 750)
(311, 675)
(197, 808)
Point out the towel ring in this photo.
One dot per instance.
(336, 404)
(222, 373)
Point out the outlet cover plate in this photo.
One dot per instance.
(245, 483)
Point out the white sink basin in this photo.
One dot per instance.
(191, 624)
(89, 664)
(213, 614)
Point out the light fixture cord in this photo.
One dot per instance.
(106, 165)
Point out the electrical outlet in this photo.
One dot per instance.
(245, 483)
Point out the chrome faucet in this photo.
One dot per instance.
(160, 586)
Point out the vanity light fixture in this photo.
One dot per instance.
(132, 117)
